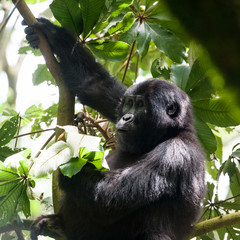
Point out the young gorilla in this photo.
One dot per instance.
(156, 182)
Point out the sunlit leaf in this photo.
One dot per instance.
(111, 51)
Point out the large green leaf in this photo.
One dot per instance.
(8, 130)
(218, 112)
(91, 11)
(205, 136)
(68, 14)
(75, 165)
(143, 39)
(12, 190)
(167, 42)
(198, 86)
(130, 35)
(180, 74)
(110, 51)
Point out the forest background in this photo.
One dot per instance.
(195, 45)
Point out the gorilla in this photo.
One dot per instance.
(155, 185)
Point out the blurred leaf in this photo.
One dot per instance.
(198, 87)
(180, 74)
(158, 71)
(111, 51)
(236, 153)
(205, 136)
(218, 112)
(26, 49)
(143, 39)
(230, 168)
(6, 152)
(8, 130)
(91, 11)
(68, 14)
(42, 74)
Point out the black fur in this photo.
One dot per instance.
(156, 182)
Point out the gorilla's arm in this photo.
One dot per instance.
(158, 174)
(86, 78)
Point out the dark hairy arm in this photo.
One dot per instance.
(153, 177)
(84, 76)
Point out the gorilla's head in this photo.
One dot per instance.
(151, 112)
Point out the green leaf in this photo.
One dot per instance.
(42, 74)
(26, 49)
(168, 43)
(143, 39)
(205, 136)
(12, 188)
(33, 112)
(91, 11)
(68, 14)
(198, 86)
(158, 71)
(73, 166)
(123, 25)
(131, 35)
(110, 51)
(180, 74)
(230, 168)
(9, 203)
(8, 130)
(218, 112)
(117, 6)
(236, 153)
(6, 152)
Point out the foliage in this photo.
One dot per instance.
(139, 37)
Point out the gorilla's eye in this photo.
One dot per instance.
(172, 109)
(130, 103)
(140, 103)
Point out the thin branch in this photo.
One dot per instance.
(5, 21)
(128, 61)
(19, 125)
(34, 132)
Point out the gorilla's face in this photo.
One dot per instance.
(151, 112)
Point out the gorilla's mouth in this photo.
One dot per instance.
(122, 130)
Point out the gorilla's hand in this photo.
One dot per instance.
(52, 32)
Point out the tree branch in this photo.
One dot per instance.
(216, 223)
(66, 99)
